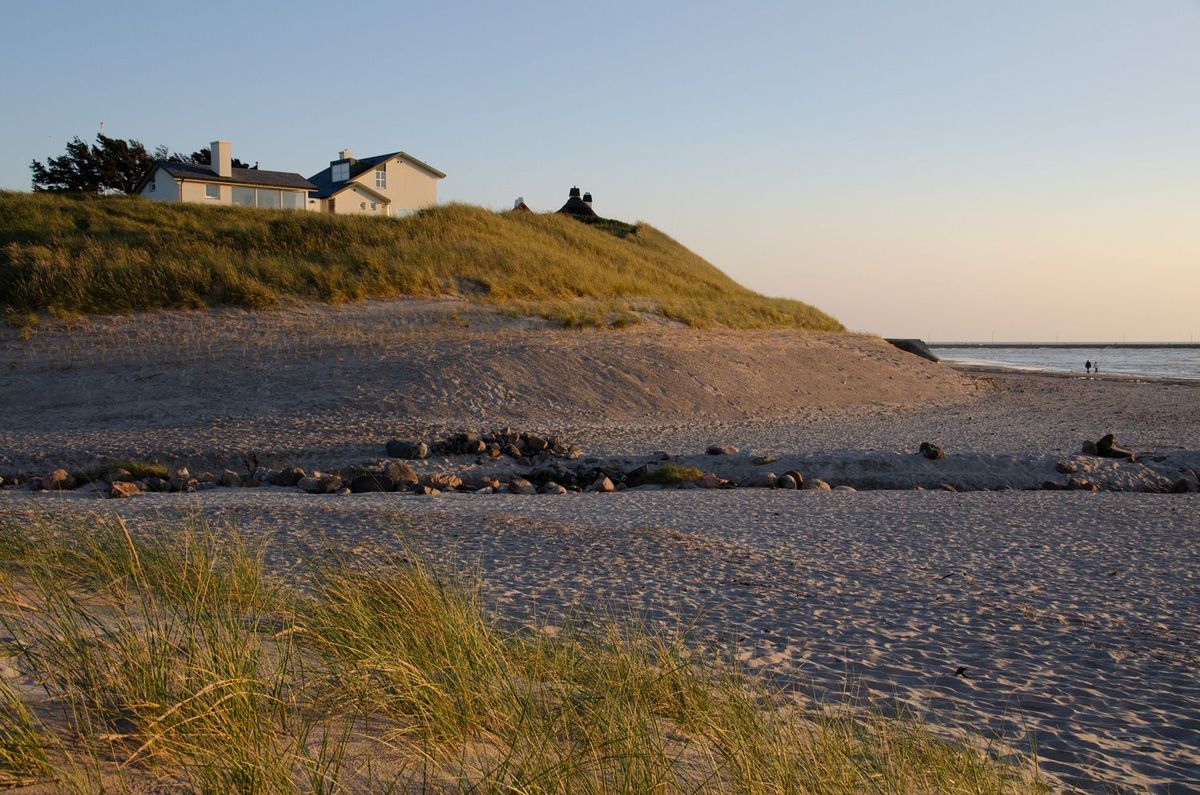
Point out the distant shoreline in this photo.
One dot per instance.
(999, 369)
(1066, 345)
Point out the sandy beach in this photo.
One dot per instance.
(1072, 616)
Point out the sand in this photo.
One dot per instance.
(1074, 615)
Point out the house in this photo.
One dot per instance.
(394, 184)
(221, 183)
(578, 206)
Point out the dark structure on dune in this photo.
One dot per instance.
(580, 207)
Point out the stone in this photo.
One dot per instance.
(949, 487)
(1185, 486)
(1066, 467)
(550, 487)
(844, 488)
(720, 449)
(157, 485)
(1081, 484)
(319, 484)
(443, 481)
(511, 450)
(494, 451)
(401, 473)
(535, 444)
(263, 475)
(796, 476)
(425, 491)
(121, 489)
(521, 486)
(1051, 485)
(398, 448)
(205, 477)
(1105, 443)
(117, 474)
(602, 485)
(574, 452)
(290, 476)
(474, 481)
(710, 481)
(371, 483)
(182, 481)
(763, 460)
(786, 481)
(58, 480)
(816, 484)
(931, 451)
(1089, 448)
(230, 479)
(761, 480)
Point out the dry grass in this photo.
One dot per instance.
(177, 663)
(69, 255)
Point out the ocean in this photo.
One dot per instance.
(1166, 361)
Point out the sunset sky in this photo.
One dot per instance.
(948, 170)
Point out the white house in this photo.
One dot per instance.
(221, 183)
(394, 184)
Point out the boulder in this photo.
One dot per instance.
(1089, 448)
(550, 487)
(786, 481)
(117, 474)
(720, 449)
(1066, 467)
(844, 487)
(493, 451)
(1185, 486)
(401, 473)
(816, 484)
(319, 484)
(512, 451)
(289, 476)
(474, 481)
(796, 476)
(931, 451)
(230, 479)
(709, 481)
(760, 480)
(602, 485)
(1051, 485)
(58, 480)
(426, 491)
(262, 475)
(121, 489)
(535, 444)
(521, 486)
(157, 485)
(182, 481)
(442, 481)
(574, 452)
(370, 483)
(1081, 484)
(763, 460)
(398, 448)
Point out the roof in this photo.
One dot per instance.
(576, 206)
(326, 187)
(240, 176)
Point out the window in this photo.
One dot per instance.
(341, 172)
(362, 205)
(381, 177)
(153, 186)
(212, 191)
(293, 200)
(374, 206)
(268, 199)
(243, 197)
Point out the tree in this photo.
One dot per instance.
(111, 165)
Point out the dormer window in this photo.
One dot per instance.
(381, 177)
(341, 172)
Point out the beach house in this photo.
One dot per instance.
(391, 185)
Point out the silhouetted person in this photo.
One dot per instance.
(1088, 365)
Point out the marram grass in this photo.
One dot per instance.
(176, 663)
(83, 255)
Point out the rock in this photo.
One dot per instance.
(402, 474)
(182, 481)
(1089, 448)
(720, 449)
(796, 476)
(816, 484)
(319, 484)
(535, 444)
(763, 460)
(117, 474)
(1051, 485)
(1081, 484)
(262, 475)
(486, 490)
(120, 489)
(494, 451)
(931, 451)
(58, 480)
(475, 482)
(1185, 486)
(761, 480)
(550, 487)
(1105, 443)
(344, 490)
(511, 450)
(1066, 467)
(948, 487)
(398, 448)
(371, 483)
(198, 486)
(157, 485)
(425, 491)
(205, 477)
(574, 452)
(230, 479)
(786, 481)
(844, 488)
(441, 481)
(602, 485)
(521, 486)
(289, 476)
(710, 481)
(683, 485)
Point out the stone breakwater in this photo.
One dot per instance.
(523, 462)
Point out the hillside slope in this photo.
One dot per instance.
(117, 254)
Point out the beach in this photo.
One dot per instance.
(1061, 621)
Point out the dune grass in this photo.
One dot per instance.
(81, 255)
(176, 662)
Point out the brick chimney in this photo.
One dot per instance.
(221, 158)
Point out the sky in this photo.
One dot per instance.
(949, 170)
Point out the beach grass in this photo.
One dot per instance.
(70, 255)
(175, 661)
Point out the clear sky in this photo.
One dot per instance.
(950, 170)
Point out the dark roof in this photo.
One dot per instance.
(326, 187)
(245, 176)
(576, 206)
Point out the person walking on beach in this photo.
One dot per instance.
(1088, 365)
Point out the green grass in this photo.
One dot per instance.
(177, 662)
(70, 255)
(138, 470)
(669, 475)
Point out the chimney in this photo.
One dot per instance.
(574, 194)
(221, 158)
(520, 200)
(345, 154)
(587, 199)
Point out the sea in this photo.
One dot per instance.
(1179, 360)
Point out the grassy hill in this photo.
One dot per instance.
(67, 255)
